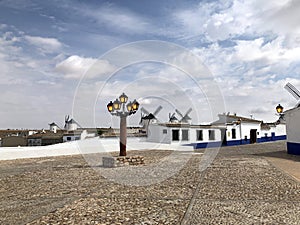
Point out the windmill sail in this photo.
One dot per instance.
(294, 91)
(157, 110)
(184, 118)
(147, 116)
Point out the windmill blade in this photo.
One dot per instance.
(67, 117)
(157, 110)
(179, 113)
(294, 91)
(188, 112)
(141, 121)
(171, 115)
(144, 111)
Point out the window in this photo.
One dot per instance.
(175, 135)
(233, 133)
(199, 135)
(185, 135)
(211, 135)
(68, 138)
(77, 138)
(165, 131)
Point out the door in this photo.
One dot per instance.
(224, 136)
(175, 135)
(253, 136)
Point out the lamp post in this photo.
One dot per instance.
(117, 108)
(279, 110)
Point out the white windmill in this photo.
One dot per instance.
(53, 127)
(149, 118)
(173, 118)
(70, 124)
(184, 118)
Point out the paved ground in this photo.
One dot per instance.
(243, 185)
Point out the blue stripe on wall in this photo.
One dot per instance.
(293, 148)
(274, 138)
(235, 142)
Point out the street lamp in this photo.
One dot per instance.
(117, 108)
(279, 109)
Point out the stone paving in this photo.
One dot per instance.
(241, 186)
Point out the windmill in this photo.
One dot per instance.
(293, 91)
(184, 118)
(147, 117)
(173, 118)
(70, 124)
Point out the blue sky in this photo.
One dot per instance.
(251, 49)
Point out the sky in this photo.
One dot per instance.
(73, 57)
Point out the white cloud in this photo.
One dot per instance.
(45, 45)
(117, 19)
(221, 20)
(76, 67)
(215, 20)
(3, 26)
(273, 52)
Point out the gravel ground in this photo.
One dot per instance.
(239, 187)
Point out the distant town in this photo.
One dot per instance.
(71, 131)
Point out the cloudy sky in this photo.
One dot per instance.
(73, 57)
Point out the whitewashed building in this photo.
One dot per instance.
(227, 131)
(185, 134)
(77, 135)
(292, 118)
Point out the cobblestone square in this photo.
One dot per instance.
(243, 185)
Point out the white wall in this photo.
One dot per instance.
(85, 135)
(71, 126)
(193, 135)
(155, 134)
(279, 130)
(237, 132)
(72, 137)
(293, 125)
(53, 129)
(246, 127)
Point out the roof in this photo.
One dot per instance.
(150, 116)
(46, 135)
(73, 133)
(9, 132)
(174, 124)
(225, 118)
(72, 121)
(53, 124)
(185, 125)
(173, 118)
(292, 110)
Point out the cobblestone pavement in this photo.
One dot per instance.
(240, 187)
